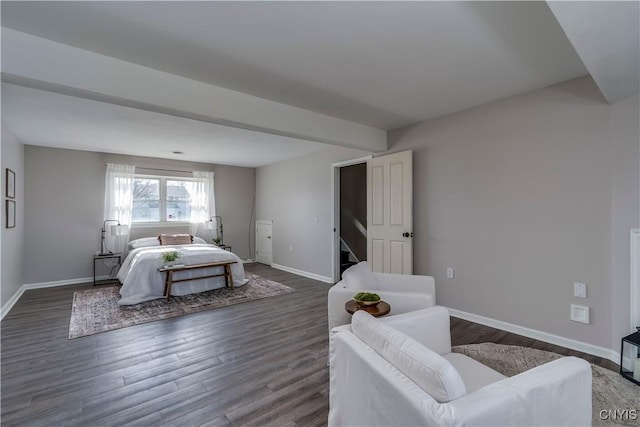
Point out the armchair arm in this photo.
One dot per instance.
(367, 390)
(407, 283)
(557, 393)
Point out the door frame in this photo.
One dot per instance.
(335, 184)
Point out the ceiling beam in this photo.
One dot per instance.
(44, 64)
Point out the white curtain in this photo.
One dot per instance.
(203, 201)
(118, 203)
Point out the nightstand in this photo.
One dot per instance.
(103, 257)
(225, 247)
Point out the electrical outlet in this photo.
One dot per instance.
(579, 290)
(450, 273)
(315, 220)
(290, 248)
(580, 313)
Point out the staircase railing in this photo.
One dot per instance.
(343, 246)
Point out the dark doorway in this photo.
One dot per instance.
(353, 215)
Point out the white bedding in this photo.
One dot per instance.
(141, 280)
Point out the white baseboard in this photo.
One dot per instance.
(303, 273)
(65, 282)
(595, 350)
(248, 261)
(14, 299)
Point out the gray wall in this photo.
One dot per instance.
(625, 140)
(524, 197)
(292, 194)
(64, 199)
(12, 238)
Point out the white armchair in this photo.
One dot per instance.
(399, 371)
(403, 292)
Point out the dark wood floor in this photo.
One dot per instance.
(259, 363)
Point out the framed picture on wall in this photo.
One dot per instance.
(10, 213)
(10, 184)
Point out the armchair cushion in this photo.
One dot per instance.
(474, 374)
(360, 276)
(432, 372)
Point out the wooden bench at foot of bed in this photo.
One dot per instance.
(168, 281)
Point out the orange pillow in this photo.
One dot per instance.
(175, 239)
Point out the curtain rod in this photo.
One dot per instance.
(163, 170)
(158, 169)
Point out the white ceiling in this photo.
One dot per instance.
(382, 64)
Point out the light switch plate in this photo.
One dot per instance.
(579, 290)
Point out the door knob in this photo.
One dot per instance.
(406, 234)
(268, 237)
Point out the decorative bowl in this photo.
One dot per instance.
(367, 303)
(366, 299)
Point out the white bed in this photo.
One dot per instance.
(141, 280)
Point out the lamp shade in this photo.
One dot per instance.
(210, 225)
(119, 230)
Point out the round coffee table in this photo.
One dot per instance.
(377, 310)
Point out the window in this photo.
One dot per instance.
(157, 199)
(146, 200)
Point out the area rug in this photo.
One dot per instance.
(97, 310)
(610, 390)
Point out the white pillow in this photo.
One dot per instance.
(144, 242)
(360, 276)
(199, 240)
(432, 372)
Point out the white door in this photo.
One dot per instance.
(390, 213)
(264, 242)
